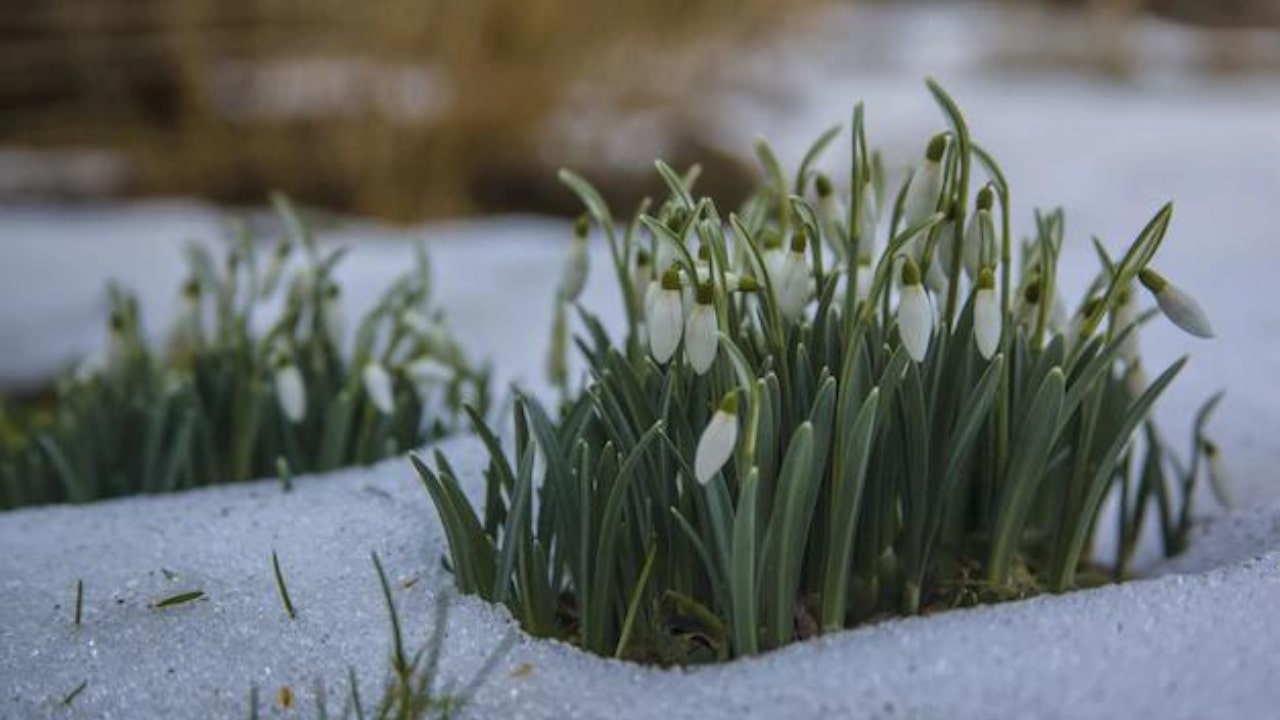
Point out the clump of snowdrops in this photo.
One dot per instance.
(257, 377)
(828, 406)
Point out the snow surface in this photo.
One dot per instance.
(1198, 640)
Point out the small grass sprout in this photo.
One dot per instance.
(258, 374)
(896, 417)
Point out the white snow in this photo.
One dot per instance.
(1198, 639)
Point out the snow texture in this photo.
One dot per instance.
(1198, 639)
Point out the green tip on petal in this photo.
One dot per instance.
(823, 184)
(798, 242)
(910, 273)
(1031, 293)
(986, 198)
(730, 403)
(1153, 280)
(642, 258)
(986, 279)
(937, 147)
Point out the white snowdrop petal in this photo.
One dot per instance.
(427, 370)
(1183, 311)
(574, 278)
(922, 193)
(700, 339)
(972, 246)
(377, 385)
(793, 288)
(666, 322)
(716, 445)
(291, 393)
(915, 321)
(986, 322)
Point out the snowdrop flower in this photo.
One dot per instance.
(1219, 481)
(666, 317)
(426, 370)
(986, 314)
(377, 385)
(975, 254)
(915, 314)
(1176, 305)
(641, 274)
(186, 332)
(792, 283)
(574, 278)
(332, 317)
(924, 190)
(274, 270)
(718, 440)
(938, 276)
(1135, 379)
(700, 339)
(1027, 311)
(291, 392)
(831, 213)
(1126, 315)
(868, 217)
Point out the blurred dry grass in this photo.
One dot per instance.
(394, 108)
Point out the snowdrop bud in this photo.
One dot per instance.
(700, 339)
(416, 322)
(938, 276)
(792, 284)
(118, 344)
(718, 440)
(377, 385)
(1135, 379)
(972, 249)
(1028, 306)
(1126, 315)
(926, 183)
(915, 314)
(831, 214)
(641, 273)
(291, 392)
(186, 331)
(986, 314)
(426, 370)
(574, 278)
(1219, 481)
(276, 268)
(1176, 305)
(332, 316)
(868, 217)
(666, 317)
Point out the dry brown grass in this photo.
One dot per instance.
(151, 78)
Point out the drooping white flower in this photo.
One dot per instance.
(1135, 379)
(1179, 307)
(1027, 307)
(987, 317)
(868, 218)
(1219, 481)
(332, 316)
(792, 286)
(700, 338)
(574, 277)
(666, 317)
(718, 440)
(831, 216)
(187, 331)
(291, 391)
(1126, 316)
(915, 312)
(975, 254)
(275, 268)
(426, 370)
(924, 190)
(938, 276)
(377, 385)
(641, 274)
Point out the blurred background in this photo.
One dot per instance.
(410, 109)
